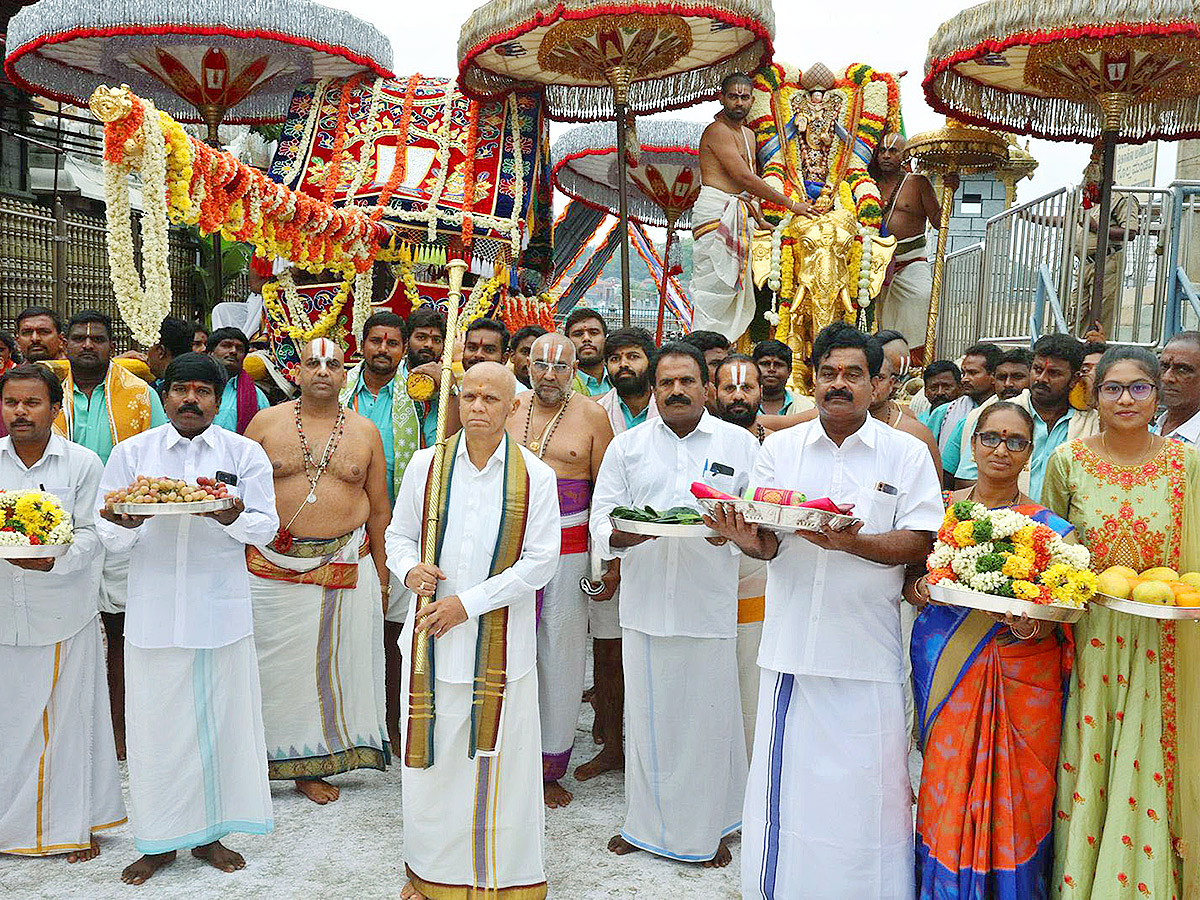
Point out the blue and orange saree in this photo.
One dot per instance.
(990, 710)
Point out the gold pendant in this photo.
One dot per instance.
(535, 446)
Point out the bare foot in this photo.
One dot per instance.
(604, 761)
(140, 871)
(555, 794)
(318, 791)
(597, 731)
(84, 855)
(220, 857)
(620, 846)
(721, 858)
(410, 892)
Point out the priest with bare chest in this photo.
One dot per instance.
(316, 588)
(569, 432)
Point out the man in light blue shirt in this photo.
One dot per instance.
(587, 330)
(1057, 359)
(241, 397)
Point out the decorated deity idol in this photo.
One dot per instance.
(816, 133)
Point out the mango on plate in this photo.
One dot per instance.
(1124, 570)
(1114, 583)
(1153, 591)
(1188, 598)
(1192, 578)
(1160, 573)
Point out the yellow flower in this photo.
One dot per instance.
(1023, 537)
(964, 534)
(1025, 590)
(1017, 566)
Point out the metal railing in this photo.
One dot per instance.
(1037, 266)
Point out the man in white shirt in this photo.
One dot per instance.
(59, 782)
(1180, 390)
(828, 805)
(685, 753)
(473, 811)
(197, 758)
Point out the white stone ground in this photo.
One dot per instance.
(352, 849)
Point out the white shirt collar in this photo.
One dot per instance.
(705, 425)
(56, 446)
(497, 458)
(866, 432)
(1189, 431)
(207, 436)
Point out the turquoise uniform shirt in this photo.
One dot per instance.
(1045, 441)
(936, 417)
(227, 414)
(90, 427)
(630, 418)
(952, 455)
(595, 387)
(378, 408)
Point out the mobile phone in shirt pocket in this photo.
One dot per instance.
(882, 513)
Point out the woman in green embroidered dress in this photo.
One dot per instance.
(1127, 808)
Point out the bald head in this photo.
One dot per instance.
(487, 399)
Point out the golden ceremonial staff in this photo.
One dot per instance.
(424, 640)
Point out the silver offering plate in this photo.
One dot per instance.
(1147, 610)
(1049, 612)
(33, 551)
(782, 518)
(662, 529)
(171, 509)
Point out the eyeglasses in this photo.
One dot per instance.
(1138, 390)
(556, 368)
(1014, 443)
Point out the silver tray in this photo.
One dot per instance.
(33, 551)
(171, 509)
(1147, 610)
(1049, 612)
(782, 518)
(658, 529)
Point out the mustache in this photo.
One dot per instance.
(838, 394)
(738, 405)
(678, 400)
(190, 408)
(16, 422)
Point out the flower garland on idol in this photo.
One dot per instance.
(1005, 553)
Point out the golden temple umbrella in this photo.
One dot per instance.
(664, 182)
(1119, 70)
(954, 149)
(602, 60)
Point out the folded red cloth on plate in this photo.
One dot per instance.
(824, 503)
(704, 492)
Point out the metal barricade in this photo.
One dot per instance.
(1017, 244)
(959, 306)
(1183, 261)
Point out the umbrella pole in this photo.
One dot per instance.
(662, 291)
(456, 268)
(618, 77)
(212, 115)
(1096, 306)
(939, 263)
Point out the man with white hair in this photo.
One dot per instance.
(570, 433)
(472, 740)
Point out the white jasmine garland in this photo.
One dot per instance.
(941, 556)
(361, 310)
(144, 302)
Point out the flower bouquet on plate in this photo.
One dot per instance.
(1006, 554)
(32, 519)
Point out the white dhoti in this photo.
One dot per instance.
(197, 761)
(828, 813)
(722, 289)
(320, 652)
(114, 581)
(904, 303)
(562, 661)
(475, 827)
(752, 587)
(59, 782)
(685, 751)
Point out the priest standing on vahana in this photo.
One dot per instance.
(318, 604)
(828, 805)
(685, 750)
(197, 761)
(59, 781)
(375, 388)
(721, 285)
(473, 812)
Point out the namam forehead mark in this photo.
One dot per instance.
(553, 348)
(323, 350)
(893, 140)
(740, 371)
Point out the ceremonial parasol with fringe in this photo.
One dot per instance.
(1115, 70)
(198, 60)
(663, 180)
(601, 59)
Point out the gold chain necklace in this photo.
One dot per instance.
(1141, 462)
(540, 445)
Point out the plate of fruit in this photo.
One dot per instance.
(1158, 593)
(148, 496)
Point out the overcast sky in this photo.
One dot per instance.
(887, 35)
